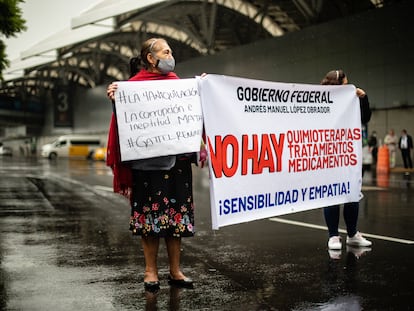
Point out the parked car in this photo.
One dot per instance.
(6, 151)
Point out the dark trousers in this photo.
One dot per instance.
(331, 214)
(405, 153)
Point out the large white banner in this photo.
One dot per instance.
(279, 148)
(158, 118)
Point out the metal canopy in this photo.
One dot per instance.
(109, 9)
(102, 39)
(20, 65)
(65, 38)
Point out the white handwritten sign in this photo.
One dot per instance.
(158, 118)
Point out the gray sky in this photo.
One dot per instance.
(43, 19)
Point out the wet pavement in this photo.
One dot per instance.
(65, 245)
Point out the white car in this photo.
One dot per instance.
(5, 151)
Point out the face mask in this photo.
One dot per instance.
(166, 65)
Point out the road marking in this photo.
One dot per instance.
(308, 225)
(97, 187)
(373, 188)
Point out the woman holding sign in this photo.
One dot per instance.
(159, 189)
(331, 213)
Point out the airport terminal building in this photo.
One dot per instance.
(58, 86)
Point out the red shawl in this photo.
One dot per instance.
(122, 181)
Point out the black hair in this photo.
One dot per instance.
(134, 64)
(334, 77)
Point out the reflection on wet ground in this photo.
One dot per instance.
(65, 245)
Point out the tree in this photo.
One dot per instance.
(11, 23)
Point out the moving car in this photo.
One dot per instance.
(99, 154)
(6, 151)
(80, 146)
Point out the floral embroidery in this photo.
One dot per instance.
(177, 218)
(155, 206)
(156, 211)
(141, 219)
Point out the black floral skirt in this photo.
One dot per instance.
(162, 202)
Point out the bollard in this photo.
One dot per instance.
(383, 160)
(383, 166)
(383, 180)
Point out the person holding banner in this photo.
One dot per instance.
(160, 188)
(351, 209)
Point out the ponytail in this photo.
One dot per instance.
(134, 64)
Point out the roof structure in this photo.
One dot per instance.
(111, 32)
(109, 8)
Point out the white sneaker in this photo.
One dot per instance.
(334, 254)
(334, 242)
(358, 251)
(358, 240)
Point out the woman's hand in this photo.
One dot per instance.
(110, 90)
(203, 155)
(360, 92)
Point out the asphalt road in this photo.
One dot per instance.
(65, 245)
